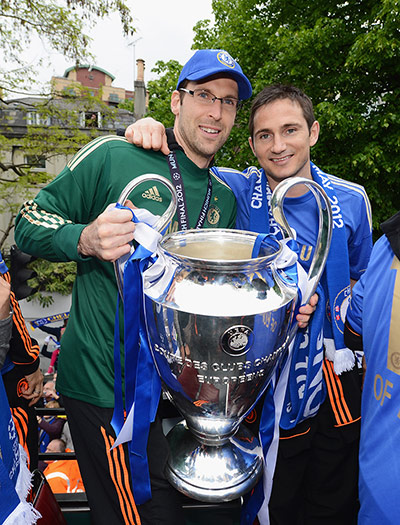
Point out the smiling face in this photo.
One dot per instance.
(202, 129)
(282, 140)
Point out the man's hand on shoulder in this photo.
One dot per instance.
(148, 133)
(109, 236)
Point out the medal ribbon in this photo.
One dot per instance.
(177, 181)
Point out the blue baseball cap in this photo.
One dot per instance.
(207, 62)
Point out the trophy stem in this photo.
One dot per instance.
(213, 473)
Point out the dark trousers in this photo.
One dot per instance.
(316, 474)
(106, 474)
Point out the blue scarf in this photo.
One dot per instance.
(305, 389)
(336, 282)
(49, 319)
(10, 461)
(14, 474)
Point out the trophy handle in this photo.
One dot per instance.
(325, 225)
(159, 225)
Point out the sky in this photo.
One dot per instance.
(164, 32)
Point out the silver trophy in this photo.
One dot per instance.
(218, 324)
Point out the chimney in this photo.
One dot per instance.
(140, 90)
(140, 70)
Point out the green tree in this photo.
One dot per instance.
(160, 91)
(52, 278)
(346, 57)
(58, 132)
(63, 26)
(128, 104)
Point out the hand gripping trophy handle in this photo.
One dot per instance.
(324, 232)
(160, 224)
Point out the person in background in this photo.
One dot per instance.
(53, 355)
(23, 380)
(50, 427)
(373, 326)
(49, 392)
(55, 331)
(66, 436)
(63, 475)
(55, 334)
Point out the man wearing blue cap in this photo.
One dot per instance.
(73, 219)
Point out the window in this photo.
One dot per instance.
(69, 92)
(36, 162)
(90, 119)
(33, 118)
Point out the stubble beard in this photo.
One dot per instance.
(192, 144)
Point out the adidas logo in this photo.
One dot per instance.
(152, 194)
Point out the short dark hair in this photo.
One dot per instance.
(183, 84)
(280, 92)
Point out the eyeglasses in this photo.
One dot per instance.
(206, 98)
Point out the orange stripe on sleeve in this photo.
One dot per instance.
(18, 320)
(20, 419)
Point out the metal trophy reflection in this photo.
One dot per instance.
(218, 323)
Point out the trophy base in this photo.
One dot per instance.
(213, 473)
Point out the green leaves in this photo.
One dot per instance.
(52, 278)
(62, 26)
(346, 57)
(160, 91)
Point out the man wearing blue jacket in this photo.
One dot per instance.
(373, 325)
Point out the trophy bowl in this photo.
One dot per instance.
(217, 335)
